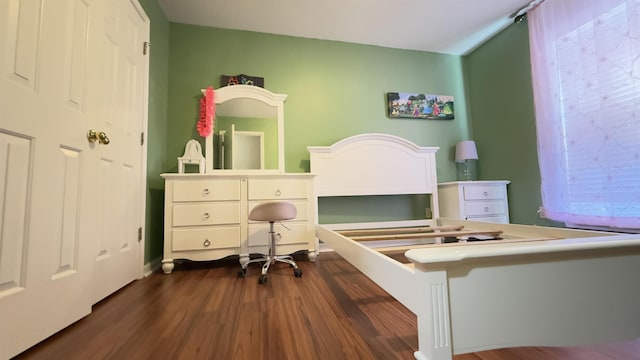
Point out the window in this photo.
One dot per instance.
(585, 58)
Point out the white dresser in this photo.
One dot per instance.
(206, 216)
(474, 200)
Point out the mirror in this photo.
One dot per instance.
(243, 110)
(247, 150)
(231, 140)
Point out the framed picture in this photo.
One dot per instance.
(420, 106)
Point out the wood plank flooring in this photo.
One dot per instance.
(205, 311)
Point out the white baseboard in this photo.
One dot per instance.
(152, 266)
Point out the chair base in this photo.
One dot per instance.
(267, 262)
(271, 259)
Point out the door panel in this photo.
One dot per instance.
(77, 33)
(23, 22)
(47, 165)
(15, 155)
(65, 260)
(117, 258)
(53, 71)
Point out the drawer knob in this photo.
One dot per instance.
(205, 216)
(205, 192)
(206, 243)
(485, 193)
(278, 193)
(486, 209)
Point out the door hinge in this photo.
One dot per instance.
(141, 138)
(140, 233)
(146, 46)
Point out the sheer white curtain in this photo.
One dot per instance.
(585, 58)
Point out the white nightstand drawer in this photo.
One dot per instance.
(206, 214)
(483, 192)
(482, 208)
(301, 208)
(492, 219)
(273, 189)
(206, 190)
(299, 233)
(206, 239)
(474, 200)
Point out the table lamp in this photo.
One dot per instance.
(466, 156)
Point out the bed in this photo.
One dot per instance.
(477, 286)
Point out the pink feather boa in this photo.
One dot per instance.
(207, 113)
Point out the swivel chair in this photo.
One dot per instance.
(272, 211)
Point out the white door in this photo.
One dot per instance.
(124, 79)
(52, 63)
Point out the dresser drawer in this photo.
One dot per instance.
(274, 189)
(483, 192)
(299, 233)
(206, 239)
(206, 214)
(206, 190)
(301, 208)
(483, 208)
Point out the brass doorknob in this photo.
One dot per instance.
(92, 136)
(103, 138)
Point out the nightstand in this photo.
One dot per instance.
(475, 200)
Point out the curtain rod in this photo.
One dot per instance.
(521, 13)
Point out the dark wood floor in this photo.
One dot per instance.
(205, 311)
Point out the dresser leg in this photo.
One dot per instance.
(167, 266)
(312, 254)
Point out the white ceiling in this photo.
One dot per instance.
(445, 26)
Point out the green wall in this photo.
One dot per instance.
(156, 136)
(498, 79)
(337, 90)
(334, 89)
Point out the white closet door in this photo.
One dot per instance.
(123, 108)
(52, 91)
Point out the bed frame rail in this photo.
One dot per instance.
(391, 275)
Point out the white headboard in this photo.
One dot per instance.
(375, 164)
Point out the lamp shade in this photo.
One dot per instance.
(466, 150)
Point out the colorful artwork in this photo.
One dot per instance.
(420, 106)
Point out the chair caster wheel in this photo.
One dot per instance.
(242, 273)
(297, 273)
(262, 279)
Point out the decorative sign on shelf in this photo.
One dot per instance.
(420, 106)
(242, 79)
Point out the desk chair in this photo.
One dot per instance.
(272, 211)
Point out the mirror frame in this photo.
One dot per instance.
(269, 99)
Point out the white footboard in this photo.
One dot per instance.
(554, 293)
